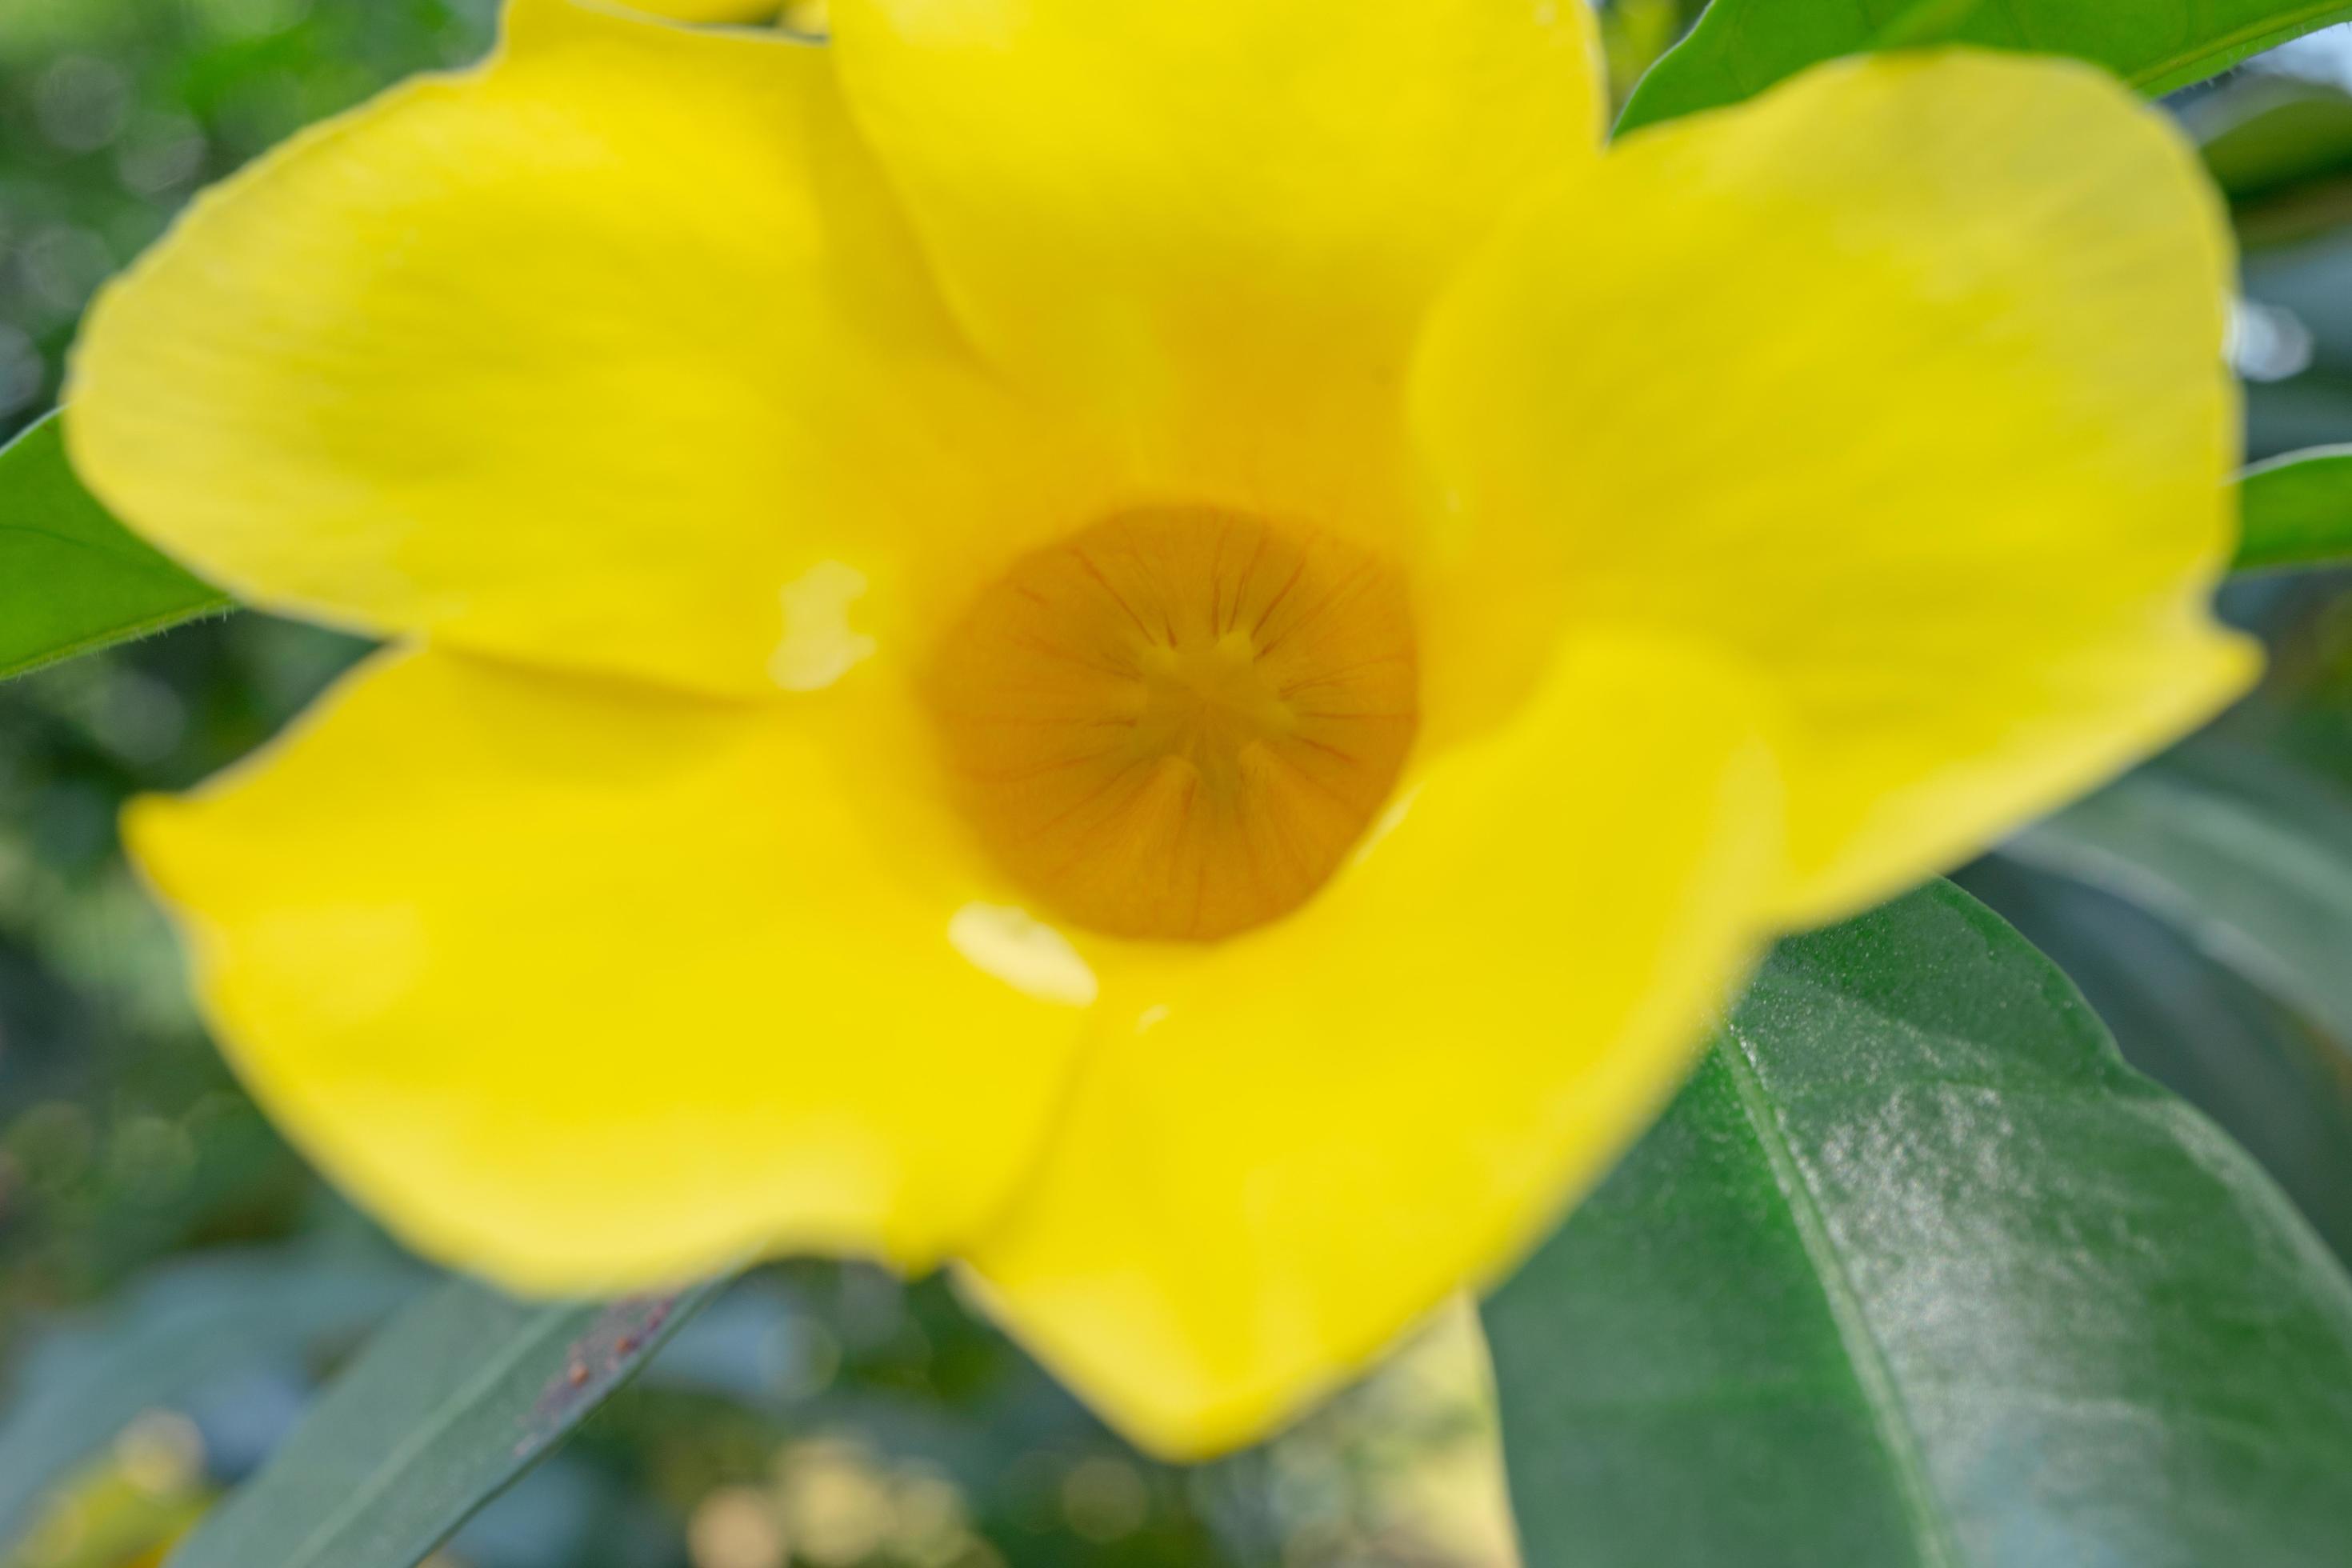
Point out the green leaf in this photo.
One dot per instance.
(72, 579)
(2272, 1077)
(2297, 511)
(439, 1414)
(2266, 134)
(2251, 861)
(190, 1323)
(1917, 1273)
(1742, 47)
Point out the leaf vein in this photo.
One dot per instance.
(1939, 1546)
(426, 1433)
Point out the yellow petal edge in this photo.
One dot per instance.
(588, 988)
(1905, 385)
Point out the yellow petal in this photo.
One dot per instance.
(1906, 383)
(582, 358)
(708, 10)
(584, 988)
(1283, 1150)
(1218, 222)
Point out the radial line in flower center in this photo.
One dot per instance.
(1176, 723)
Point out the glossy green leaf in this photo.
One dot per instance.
(73, 579)
(1740, 48)
(433, 1418)
(2272, 1076)
(1918, 1272)
(79, 1387)
(2297, 511)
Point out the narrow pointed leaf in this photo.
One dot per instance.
(72, 579)
(1918, 1273)
(83, 1384)
(2297, 511)
(439, 1414)
(1740, 48)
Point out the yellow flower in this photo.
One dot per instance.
(1174, 651)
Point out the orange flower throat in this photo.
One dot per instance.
(1176, 723)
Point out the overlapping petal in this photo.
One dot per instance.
(580, 358)
(586, 986)
(1284, 1151)
(1905, 382)
(1217, 225)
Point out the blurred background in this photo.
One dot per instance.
(174, 1281)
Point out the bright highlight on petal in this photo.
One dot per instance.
(1176, 723)
(820, 646)
(1026, 953)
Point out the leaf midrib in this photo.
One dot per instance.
(1873, 1374)
(2295, 23)
(426, 1433)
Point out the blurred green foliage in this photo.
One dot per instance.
(112, 113)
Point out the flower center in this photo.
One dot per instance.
(1176, 723)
